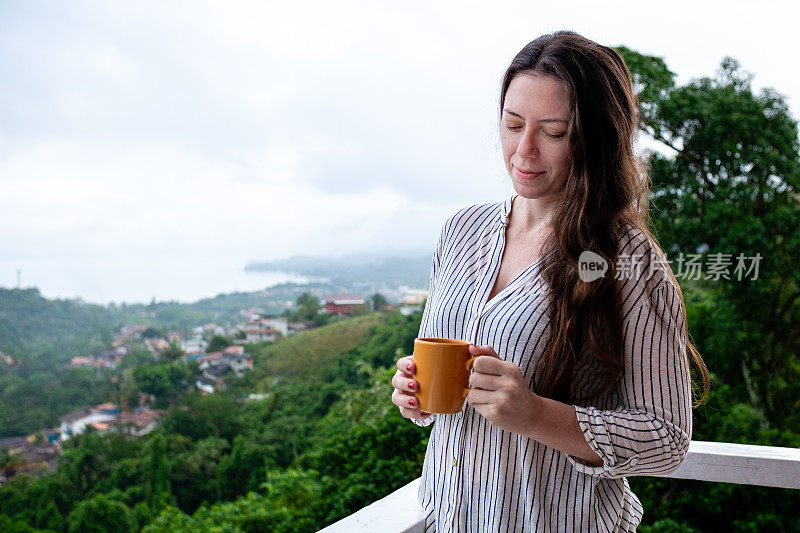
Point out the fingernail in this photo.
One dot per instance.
(412, 402)
(410, 384)
(408, 366)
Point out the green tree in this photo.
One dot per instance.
(7, 525)
(138, 356)
(218, 343)
(9, 462)
(360, 406)
(49, 517)
(173, 353)
(142, 514)
(158, 490)
(163, 380)
(199, 416)
(730, 186)
(379, 302)
(245, 468)
(726, 186)
(194, 473)
(152, 333)
(308, 307)
(100, 514)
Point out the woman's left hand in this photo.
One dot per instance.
(499, 392)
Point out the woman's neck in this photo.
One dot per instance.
(531, 215)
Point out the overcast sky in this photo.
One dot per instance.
(155, 148)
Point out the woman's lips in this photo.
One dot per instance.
(526, 175)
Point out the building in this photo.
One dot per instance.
(296, 327)
(156, 345)
(216, 365)
(265, 328)
(344, 304)
(213, 329)
(107, 416)
(7, 359)
(209, 359)
(237, 359)
(134, 330)
(215, 373)
(139, 422)
(194, 345)
(32, 453)
(256, 334)
(76, 422)
(107, 359)
(204, 387)
(411, 301)
(277, 323)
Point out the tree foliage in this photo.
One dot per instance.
(218, 343)
(218, 464)
(379, 302)
(100, 514)
(726, 183)
(729, 185)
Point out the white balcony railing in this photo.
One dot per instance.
(721, 462)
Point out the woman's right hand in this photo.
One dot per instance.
(404, 389)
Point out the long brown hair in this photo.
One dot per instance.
(606, 191)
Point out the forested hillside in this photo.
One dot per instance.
(44, 332)
(323, 442)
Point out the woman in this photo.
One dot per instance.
(586, 379)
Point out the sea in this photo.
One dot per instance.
(134, 281)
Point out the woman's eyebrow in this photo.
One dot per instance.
(542, 120)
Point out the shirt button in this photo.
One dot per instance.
(459, 415)
(634, 461)
(455, 463)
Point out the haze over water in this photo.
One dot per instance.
(133, 281)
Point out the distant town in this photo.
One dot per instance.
(39, 451)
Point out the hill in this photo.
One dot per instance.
(312, 354)
(321, 442)
(411, 270)
(32, 326)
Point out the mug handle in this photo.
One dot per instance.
(468, 364)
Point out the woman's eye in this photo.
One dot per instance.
(554, 135)
(513, 128)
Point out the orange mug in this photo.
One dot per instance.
(443, 367)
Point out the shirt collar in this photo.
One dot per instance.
(506, 210)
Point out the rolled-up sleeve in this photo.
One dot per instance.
(650, 432)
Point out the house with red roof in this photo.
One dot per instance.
(344, 304)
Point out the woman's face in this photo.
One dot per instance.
(533, 134)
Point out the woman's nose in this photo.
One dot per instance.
(527, 146)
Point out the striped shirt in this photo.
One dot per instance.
(477, 477)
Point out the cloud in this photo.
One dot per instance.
(84, 200)
(238, 131)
